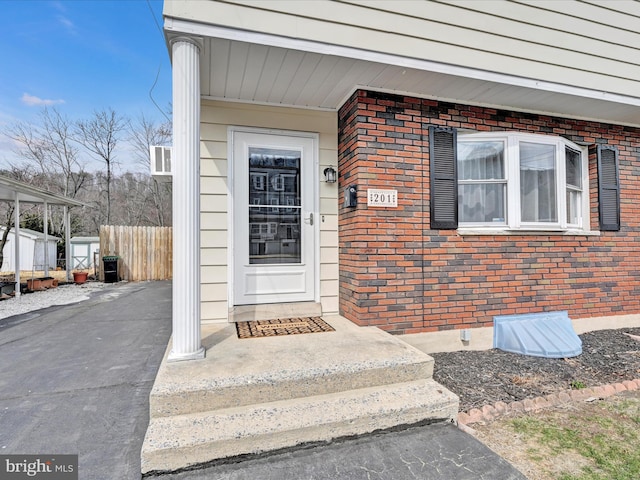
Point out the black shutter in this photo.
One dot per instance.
(608, 188)
(444, 179)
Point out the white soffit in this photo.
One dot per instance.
(266, 69)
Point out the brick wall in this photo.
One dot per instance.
(401, 276)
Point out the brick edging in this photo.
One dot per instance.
(489, 413)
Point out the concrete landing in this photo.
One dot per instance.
(257, 395)
(256, 370)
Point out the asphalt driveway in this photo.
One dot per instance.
(76, 379)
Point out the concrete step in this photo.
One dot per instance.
(180, 441)
(241, 372)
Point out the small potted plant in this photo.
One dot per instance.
(80, 277)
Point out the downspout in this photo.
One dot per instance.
(424, 225)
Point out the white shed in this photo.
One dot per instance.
(32, 248)
(82, 250)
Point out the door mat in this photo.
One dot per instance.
(282, 326)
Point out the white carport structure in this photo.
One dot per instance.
(18, 193)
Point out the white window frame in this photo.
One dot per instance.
(513, 221)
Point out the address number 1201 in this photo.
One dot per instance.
(382, 198)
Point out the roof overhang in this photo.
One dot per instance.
(253, 67)
(11, 190)
(32, 234)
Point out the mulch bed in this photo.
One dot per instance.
(484, 377)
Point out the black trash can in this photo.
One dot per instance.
(110, 268)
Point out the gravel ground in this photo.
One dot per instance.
(484, 377)
(62, 295)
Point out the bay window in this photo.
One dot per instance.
(521, 181)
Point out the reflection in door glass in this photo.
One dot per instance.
(274, 206)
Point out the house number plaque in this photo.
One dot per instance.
(382, 198)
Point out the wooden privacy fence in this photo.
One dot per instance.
(145, 253)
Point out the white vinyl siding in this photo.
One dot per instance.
(589, 45)
(216, 117)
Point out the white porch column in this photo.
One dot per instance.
(67, 241)
(46, 239)
(16, 244)
(187, 343)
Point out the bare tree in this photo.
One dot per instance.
(100, 135)
(34, 150)
(64, 153)
(144, 134)
(51, 147)
(131, 199)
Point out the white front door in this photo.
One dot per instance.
(274, 217)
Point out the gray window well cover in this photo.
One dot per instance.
(547, 334)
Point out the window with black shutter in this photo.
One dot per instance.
(508, 181)
(608, 188)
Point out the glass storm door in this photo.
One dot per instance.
(273, 222)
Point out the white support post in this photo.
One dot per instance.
(187, 344)
(46, 239)
(67, 241)
(16, 243)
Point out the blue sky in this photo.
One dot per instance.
(81, 56)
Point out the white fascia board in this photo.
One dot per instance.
(174, 26)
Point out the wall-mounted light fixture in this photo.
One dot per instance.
(330, 175)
